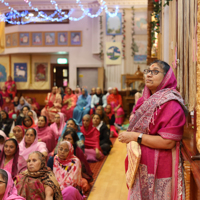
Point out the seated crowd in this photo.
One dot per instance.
(46, 155)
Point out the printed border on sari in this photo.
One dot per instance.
(170, 136)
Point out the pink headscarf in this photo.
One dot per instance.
(11, 191)
(4, 136)
(15, 159)
(54, 126)
(47, 136)
(36, 146)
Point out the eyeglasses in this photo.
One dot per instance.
(153, 72)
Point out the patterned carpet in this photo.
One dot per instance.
(96, 168)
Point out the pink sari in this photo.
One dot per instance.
(159, 171)
(69, 102)
(11, 191)
(47, 136)
(68, 172)
(58, 131)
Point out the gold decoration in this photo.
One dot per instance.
(198, 80)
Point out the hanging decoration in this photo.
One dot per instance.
(133, 45)
(42, 16)
(101, 38)
(124, 34)
(155, 24)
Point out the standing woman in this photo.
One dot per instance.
(69, 103)
(11, 85)
(156, 124)
(82, 106)
(115, 100)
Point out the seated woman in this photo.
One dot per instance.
(98, 99)
(78, 92)
(15, 102)
(111, 115)
(22, 114)
(2, 139)
(34, 105)
(58, 125)
(82, 106)
(103, 116)
(71, 136)
(104, 137)
(22, 104)
(45, 133)
(72, 123)
(33, 114)
(115, 100)
(92, 143)
(69, 103)
(10, 159)
(30, 143)
(18, 132)
(5, 123)
(37, 182)
(28, 122)
(65, 159)
(8, 189)
(8, 107)
(4, 93)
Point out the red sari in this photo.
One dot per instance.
(9, 108)
(114, 100)
(69, 103)
(159, 172)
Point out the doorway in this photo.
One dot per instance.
(59, 75)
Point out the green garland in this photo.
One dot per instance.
(155, 25)
(101, 38)
(133, 45)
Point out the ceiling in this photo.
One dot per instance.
(67, 4)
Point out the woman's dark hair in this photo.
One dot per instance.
(103, 113)
(14, 141)
(97, 115)
(7, 117)
(25, 107)
(71, 119)
(4, 175)
(73, 133)
(28, 118)
(162, 64)
(34, 131)
(45, 119)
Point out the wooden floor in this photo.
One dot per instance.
(111, 182)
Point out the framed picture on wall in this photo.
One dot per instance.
(62, 38)
(114, 24)
(41, 72)
(24, 39)
(8, 40)
(20, 72)
(37, 39)
(49, 38)
(141, 22)
(76, 38)
(15, 42)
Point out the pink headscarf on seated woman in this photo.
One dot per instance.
(11, 191)
(54, 126)
(47, 135)
(36, 146)
(18, 162)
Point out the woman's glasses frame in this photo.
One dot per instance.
(153, 72)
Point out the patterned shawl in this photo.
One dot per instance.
(44, 176)
(68, 172)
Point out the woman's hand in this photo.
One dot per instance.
(126, 137)
(49, 193)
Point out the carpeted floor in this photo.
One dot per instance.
(96, 168)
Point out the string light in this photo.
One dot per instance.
(42, 16)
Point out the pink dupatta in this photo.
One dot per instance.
(11, 191)
(54, 126)
(36, 146)
(159, 114)
(68, 172)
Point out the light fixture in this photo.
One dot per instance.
(62, 60)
